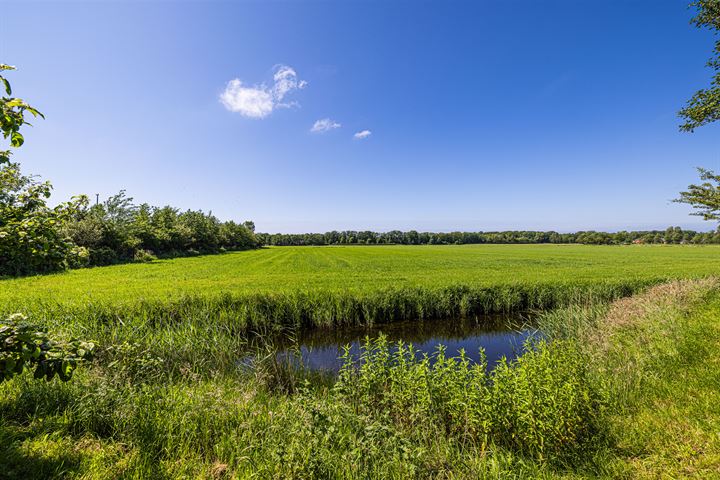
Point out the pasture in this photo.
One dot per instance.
(364, 269)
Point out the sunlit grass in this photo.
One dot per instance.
(363, 268)
(618, 390)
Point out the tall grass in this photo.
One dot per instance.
(169, 395)
(398, 415)
(243, 313)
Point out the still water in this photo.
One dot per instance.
(498, 336)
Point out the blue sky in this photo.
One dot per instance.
(483, 115)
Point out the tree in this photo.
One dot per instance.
(704, 106)
(701, 109)
(32, 239)
(31, 236)
(705, 197)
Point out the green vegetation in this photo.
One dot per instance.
(705, 197)
(12, 116)
(36, 238)
(305, 286)
(657, 355)
(704, 106)
(671, 235)
(170, 400)
(166, 396)
(24, 347)
(118, 231)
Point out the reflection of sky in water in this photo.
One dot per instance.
(320, 348)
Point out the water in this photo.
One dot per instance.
(499, 336)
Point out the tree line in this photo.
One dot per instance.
(672, 235)
(36, 238)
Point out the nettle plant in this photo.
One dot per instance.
(25, 347)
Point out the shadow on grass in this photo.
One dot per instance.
(25, 455)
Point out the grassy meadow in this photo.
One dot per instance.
(365, 268)
(325, 286)
(166, 396)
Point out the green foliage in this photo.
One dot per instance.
(704, 106)
(117, 231)
(143, 256)
(673, 235)
(31, 235)
(12, 116)
(23, 347)
(132, 363)
(705, 197)
(168, 399)
(544, 404)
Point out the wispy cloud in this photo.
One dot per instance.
(259, 101)
(362, 134)
(324, 125)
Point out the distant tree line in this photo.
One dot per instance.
(672, 235)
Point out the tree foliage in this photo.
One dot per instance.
(31, 237)
(704, 106)
(12, 116)
(705, 197)
(117, 230)
(674, 235)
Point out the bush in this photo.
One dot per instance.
(103, 256)
(143, 256)
(23, 346)
(32, 239)
(78, 257)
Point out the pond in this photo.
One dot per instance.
(497, 335)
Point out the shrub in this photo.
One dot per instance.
(103, 256)
(24, 346)
(143, 256)
(31, 236)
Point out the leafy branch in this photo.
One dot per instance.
(24, 347)
(12, 116)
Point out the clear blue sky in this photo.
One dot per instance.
(482, 115)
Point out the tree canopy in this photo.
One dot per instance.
(704, 106)
(705, 197)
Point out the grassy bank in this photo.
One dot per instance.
(627, 389)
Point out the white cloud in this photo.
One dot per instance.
(324, 125)
(251, 102)
(259, 101)
(362, 134)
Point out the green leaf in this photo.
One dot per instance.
(7, 85)
(16, 140)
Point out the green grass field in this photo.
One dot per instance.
(361, 268)
(305, 286)
(623, 389)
